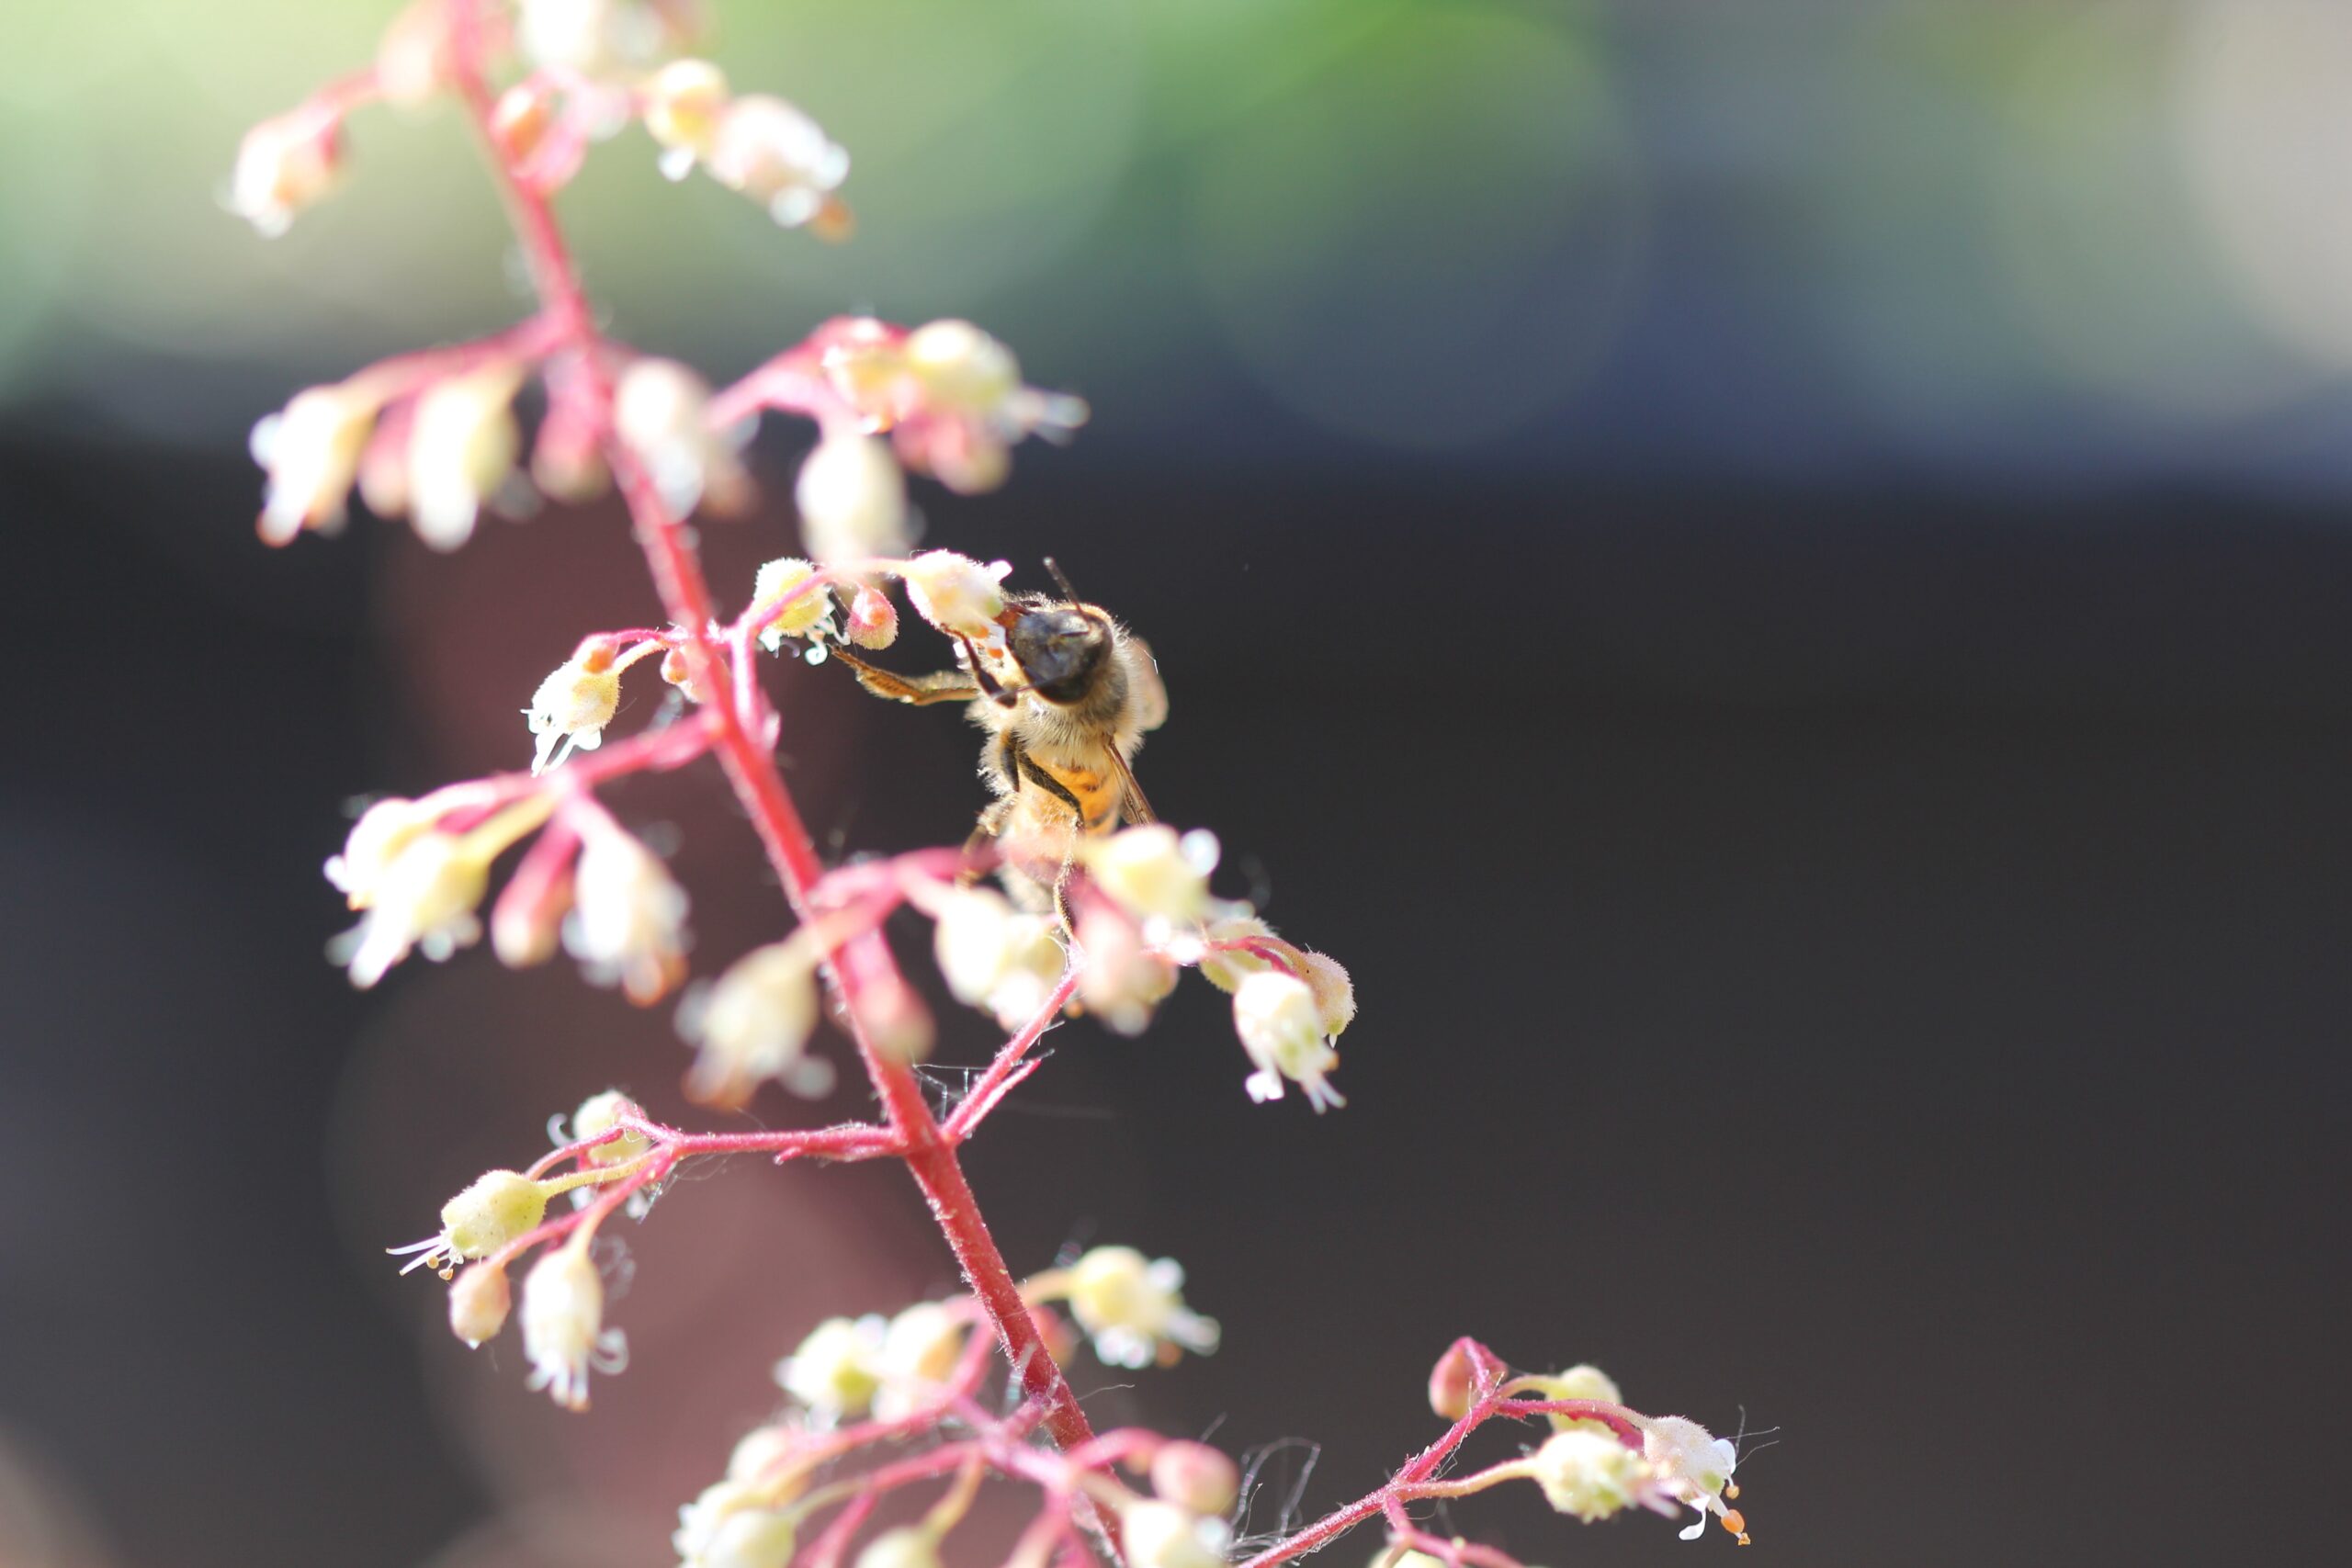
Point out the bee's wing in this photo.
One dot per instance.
(1150, 692)
(1132, 803)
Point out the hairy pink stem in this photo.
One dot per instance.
(751, 770)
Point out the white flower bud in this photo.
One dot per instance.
(424, 898)
(729, 1526)
(599, 1114)
(310, 451)
(1579, 1383)
(1282, 1029)
(955, 593)
(777, 156)
(920, 1348)
(661, 413)
(683, 104)
(479, 1304)
(592, 37)
(853, 500)
(499, 1206)
(1162, 1535)
(383, 830)
(1589, 1475)
(1134, 1309)
(754, 1025)
(837, 1369)
(1120, 980)
(572, 706)
(761, 1449)
(461, 450)
(1335, 994)
(1151, 871)
(961, 369)
(283, 165)
(811, 607)
(563, 1331)
(1032, 971)
(1195, 1477)
(629, 918)
(908, 1546)
(975, 941)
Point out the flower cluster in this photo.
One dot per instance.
(1089, 920)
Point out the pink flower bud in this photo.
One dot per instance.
(1451, 1382)
(1195, 1476)
(479, 1304)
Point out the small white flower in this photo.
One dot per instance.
(423, 898)
(908, 1546)
(1690, 1464)
(661, 413)
(1134, 1309)
(283, 165)
(479, 1303)
(955, 593)
(761, 1449)
(563, 1326)
(461, 450)
(629, 917)
(753, 1024)
(1162, 1535)
(809, 611)
(961, 369)
(382, 831)
(498, 1206)
(1119, 979)
(838, 1368)
(853, 500)
(919, 1353)
(1282, 1029)
(973, 940)
(572, 706)
(1034, 967)
(779, 156)
(1153, 873)
(311, 450)
(730, 1526)
(599, 1114)
(592, 37)
(1589, 1475)
(684, 105)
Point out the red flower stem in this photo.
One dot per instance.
(991, 1086)
(750, 769)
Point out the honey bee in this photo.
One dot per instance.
(1066, 695)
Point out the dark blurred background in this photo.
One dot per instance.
(1772, 576)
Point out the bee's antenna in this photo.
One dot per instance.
(1053, 568)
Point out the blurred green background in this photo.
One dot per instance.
(2089, 236)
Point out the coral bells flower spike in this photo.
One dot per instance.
(563, 1326)
(956, 594)
(754, 1025)
(1282, 1029)
(1694, 1466)
(628, 924)
(573, 704)
(779, 156)
(283, 165)
(853, 500)
(498, 1207)
(1134, 1310)
(1589, 1475)
(311, 450)
(461, 450)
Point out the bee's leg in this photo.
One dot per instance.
(985, 832)
(946, 686)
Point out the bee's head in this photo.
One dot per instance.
(1060, 648)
